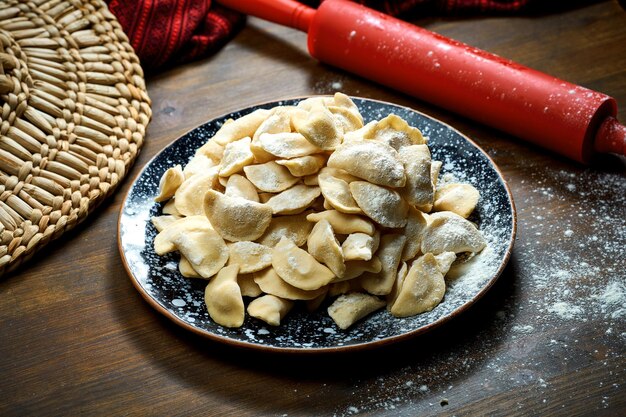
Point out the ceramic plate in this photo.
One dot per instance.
(182, 300)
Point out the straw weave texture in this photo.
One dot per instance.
(73, 115)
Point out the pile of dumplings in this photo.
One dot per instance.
(307, 204)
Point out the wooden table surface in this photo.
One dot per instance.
(76, 338)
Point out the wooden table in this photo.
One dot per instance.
(76, 338)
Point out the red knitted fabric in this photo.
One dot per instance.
(167, 32)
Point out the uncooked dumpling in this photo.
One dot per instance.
(248, 287)
(303, 165)
(419, 189)
(389, 254)
(445, 261)
(278, 122)
(270, 177)
(250, 256)
(295, 228)
(324, 247)
(336, 191)
(344, 223)
(346, 119)
(161, 222)
(414, 229)
(360, 246)
(449, 232)
(383, 205)
(203, 248)
(237, 155)
(186, 270)
(293, 200)
(170, 181)
(357, 268)
(298, 268)
(320, 129)
(269, 281)
(287, 145)
(457, 198)
(422, 289)
(240, 128)
(189, 196)
(199, 164)
(392, 130)
(211, 150)
(240, 186)
(270, 309)
(350, 308)
(223, 298)
(163, 242)
(373, 161)
(236, 218)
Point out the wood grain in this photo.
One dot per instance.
(77, 339)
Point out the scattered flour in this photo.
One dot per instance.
(567, 284)
(612, 300)
(565, 310)
(523, 329)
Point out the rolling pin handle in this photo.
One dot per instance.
(284, 12)
(611, 137)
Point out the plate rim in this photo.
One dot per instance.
(374, 344)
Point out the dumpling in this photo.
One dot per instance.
(250, 256)
(344, 223)
(223, 298)
(324, 247)
(270, 177)
(449, 232)
(457, 198)
(269, 281)
(188, 197)
(294, 227)
(336, 191)
(419, 190)
(350, 308)
(240, 128)
(270, 309)
(320, 128)
(373, 161)
(293, 200)
(298, 268)
(392, 130)
(236, 218)
(422, 289)
(237, 155)
(170, 181)
(389, 254)
(383, 205)
(240, 186)
(360, 246)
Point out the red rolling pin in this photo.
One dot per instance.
(568, 119)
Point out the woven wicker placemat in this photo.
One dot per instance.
(74, 110)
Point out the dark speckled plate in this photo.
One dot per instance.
(158, 280)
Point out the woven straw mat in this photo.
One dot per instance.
(74, 111)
